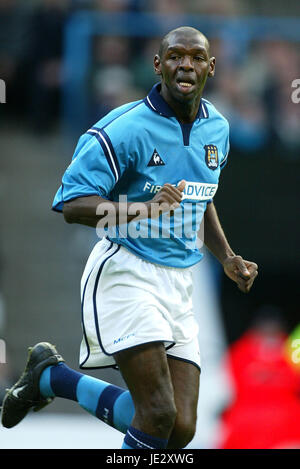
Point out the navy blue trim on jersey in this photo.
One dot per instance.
(58, 210)
(204, 111)
(108, 150)
(224, 162)
(186, 131)
(112, 150)
(185, 360)
(156, 102)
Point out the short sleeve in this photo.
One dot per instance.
(94, 170)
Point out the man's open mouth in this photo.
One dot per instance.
(185, 84)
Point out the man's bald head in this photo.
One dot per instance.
(185, 32)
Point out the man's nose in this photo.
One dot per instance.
(186, 63)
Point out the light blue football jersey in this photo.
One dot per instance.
(136, 149)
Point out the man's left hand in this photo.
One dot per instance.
(242, 272)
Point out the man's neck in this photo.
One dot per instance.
(186, 112)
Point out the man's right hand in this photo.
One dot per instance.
(167, 199)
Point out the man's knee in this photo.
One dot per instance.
(183, 432)
(161, 414)
(146, 372)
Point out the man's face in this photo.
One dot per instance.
(184, 66)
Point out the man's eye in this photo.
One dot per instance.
(174, 57)
(199, 57)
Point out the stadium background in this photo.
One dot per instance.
(65, 64)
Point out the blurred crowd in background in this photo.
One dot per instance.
(252, 89)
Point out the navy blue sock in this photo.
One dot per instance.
(111, 404)
(135, 439)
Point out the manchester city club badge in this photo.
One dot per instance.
(211, 156)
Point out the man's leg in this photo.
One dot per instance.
(46, 377)
(146, 372)
(185, 378)
(154, 381)
(109, 403)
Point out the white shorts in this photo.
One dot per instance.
(127, 301)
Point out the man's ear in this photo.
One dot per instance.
(157, 65)
(212, 65)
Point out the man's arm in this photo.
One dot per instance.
(83, 210)
(92, 209)
(242, 272)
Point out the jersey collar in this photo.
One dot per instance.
(156, 102)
